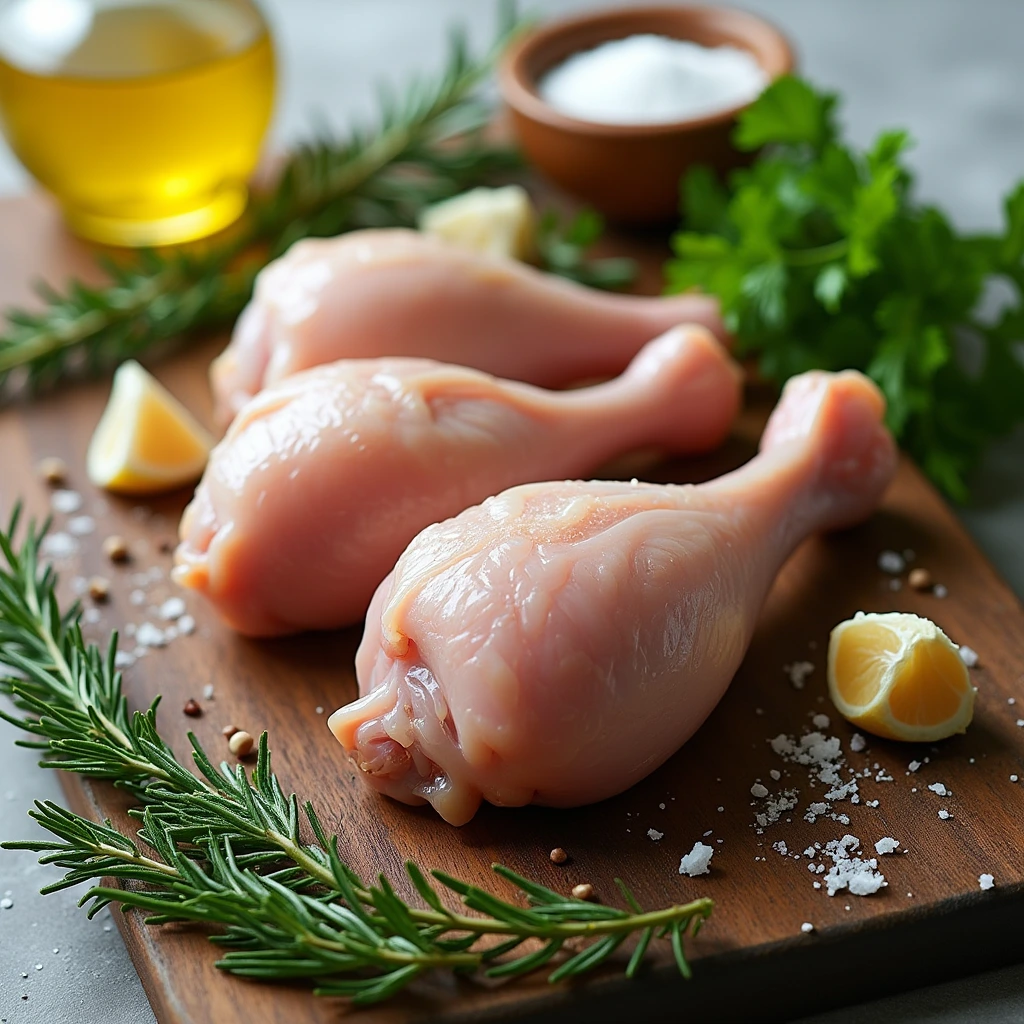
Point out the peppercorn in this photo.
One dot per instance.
(116, 548)
(558, 855)
(192, 708)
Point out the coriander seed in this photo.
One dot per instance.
(192, 708)
(116, 548)
(53, 470)
(583, 891)
(99, 589)
(920, 579)
(241, 743)
(228, 731)
(558, 855)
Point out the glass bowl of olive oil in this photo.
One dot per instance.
(143, 118)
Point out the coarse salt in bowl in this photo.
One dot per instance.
(585, 136)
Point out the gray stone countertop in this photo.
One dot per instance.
(950, 70)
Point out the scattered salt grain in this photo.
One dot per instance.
(137, 598)
(798, 673)
(1013, 778)
(81, 526)
(6, 903)
(857, 743)
(939, 591)
(940, 789)
(661, 807)
(860, 877)
(173, 608)
(1020, 723)
(913, 766)
(886, 845)
(892, 562)
(697, 861)
(775, 774)
(653, 833)
(1011, 700)
(320, 711)
(124, 659)
(986, 882)
(945, 815)
(807, 927)
(208, 691)
(148, 635)
(968, 655)
(821, 721)
(781, 848)
(721, 809)
(91, 616)
(186, 625)
(775, 807)
(759, 791)
(709, 831)
(65, 502)
(58, 545)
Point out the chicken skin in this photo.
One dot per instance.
(558, 642)
(323, 479)
(396, 292)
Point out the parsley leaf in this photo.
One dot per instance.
(821, 257)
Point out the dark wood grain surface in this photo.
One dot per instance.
(751, 960)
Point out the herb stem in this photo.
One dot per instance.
(816, 255)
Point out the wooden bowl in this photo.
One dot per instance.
(629, 172)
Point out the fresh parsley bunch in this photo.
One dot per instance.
(822, 258)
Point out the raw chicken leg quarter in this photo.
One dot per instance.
(395, 292)
(323, 479)
(558, 642)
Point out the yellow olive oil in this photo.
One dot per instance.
(143, 117)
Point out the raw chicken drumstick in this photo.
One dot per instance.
(399, 293)
(323, 479)
(557, 643)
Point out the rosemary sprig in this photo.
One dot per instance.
(228, 849)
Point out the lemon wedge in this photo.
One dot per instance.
(492, 221)
(899, 676)
(146, 441)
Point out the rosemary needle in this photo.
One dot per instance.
(224, 847)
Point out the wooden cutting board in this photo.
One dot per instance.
(751, 961)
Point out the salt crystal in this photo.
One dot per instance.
(91, 616)
(137, 598)
(186, 625)
(891, 562)
(320, 711)
(857, 743)
(798, 673)
(759, 791)
(775, 774)
(886, 845)
(1013, 778)
(208, 691)
(817, 885)
(6, 903)
(124, 659)
(821, 721)
(807, 927)
(653, 833)
(697, 861)
(945, 815)
(968, 655)
(81, 526)
(986, 881)
(913, 766)
(58, 545)
(720, 809)
(850, 872)
(940, 789)
(173, 608)
(780, 847)
(1020, 723)
(1011, 700)
(66, 502)
(939, 591)
(709, 831)
(148, 635)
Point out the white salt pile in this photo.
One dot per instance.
(651, 79)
